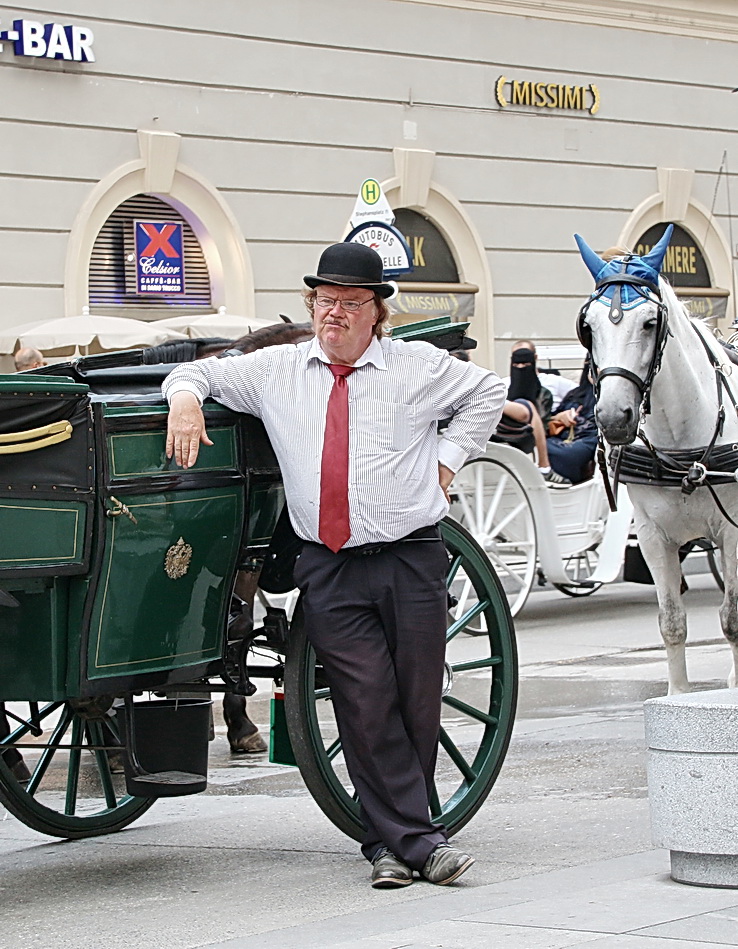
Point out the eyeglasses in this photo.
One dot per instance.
(349, 306)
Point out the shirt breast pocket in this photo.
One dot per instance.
(385, 426)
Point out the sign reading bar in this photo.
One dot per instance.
(159, 257)
(547, 95)
(50, 41)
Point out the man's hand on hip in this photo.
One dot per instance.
(445, 477)
(186, 429)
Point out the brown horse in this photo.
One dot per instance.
(189, 350)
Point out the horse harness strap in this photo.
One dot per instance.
(633, 464)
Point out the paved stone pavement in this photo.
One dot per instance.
(563, 848)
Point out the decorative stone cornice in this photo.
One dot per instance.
(707, 19)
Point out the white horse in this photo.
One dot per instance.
(663, 379)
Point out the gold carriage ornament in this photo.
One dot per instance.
(547, 95)
(177, 559)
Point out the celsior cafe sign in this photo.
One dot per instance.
(547, 95)
(159, 248)
(49, 41)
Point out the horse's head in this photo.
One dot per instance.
(624, 326)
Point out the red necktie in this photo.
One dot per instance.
(333, 523)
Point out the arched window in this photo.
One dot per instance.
(112, 277)
(685, 267)
(433, 287)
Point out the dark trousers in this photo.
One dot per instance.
(570, 458)
(378, 626)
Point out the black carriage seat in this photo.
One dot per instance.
(115, 382)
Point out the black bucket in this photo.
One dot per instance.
(171, 741)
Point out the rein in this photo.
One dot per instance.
(631, 464)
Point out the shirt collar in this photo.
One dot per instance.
(373, 354)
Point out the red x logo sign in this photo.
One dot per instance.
(158, 240)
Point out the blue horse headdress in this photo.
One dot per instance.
(644, 269)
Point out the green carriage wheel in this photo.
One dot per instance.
(73, 791)
(478, 703)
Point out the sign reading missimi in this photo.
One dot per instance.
(547, 95)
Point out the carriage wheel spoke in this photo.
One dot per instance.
(466, 507)
(456, 756)
(75, 757)
(494, 501)
(479, 497)
(472, 664)
(22, 730)
(334, 749)
(103, 764)
(469, 710)
(498, 562)
(458, 625)
(435, 802)
(49, 751)
(453, 570)
(506, 520)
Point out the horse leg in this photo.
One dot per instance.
(663, 562)
(729, 606)
(12, 757)
(243, 734)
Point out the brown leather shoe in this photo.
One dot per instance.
(446, 864)
(388, 871)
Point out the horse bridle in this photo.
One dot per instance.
(651, 292)
(696, 473)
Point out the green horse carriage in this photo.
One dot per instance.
(117, 572)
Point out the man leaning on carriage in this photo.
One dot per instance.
(352, 416)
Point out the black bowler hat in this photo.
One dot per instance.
(351, 265)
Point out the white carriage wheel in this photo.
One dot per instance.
(489, 500)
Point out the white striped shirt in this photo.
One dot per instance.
(397, 394)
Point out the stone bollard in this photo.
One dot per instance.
(692, 744)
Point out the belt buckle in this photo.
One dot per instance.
(372, 549)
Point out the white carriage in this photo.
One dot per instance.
(534, 532)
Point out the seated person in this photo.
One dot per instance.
(525, 382)
(524, 353)
(527, 407)
(572, 449)
(522, 427)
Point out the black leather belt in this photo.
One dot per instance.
(433, 532)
